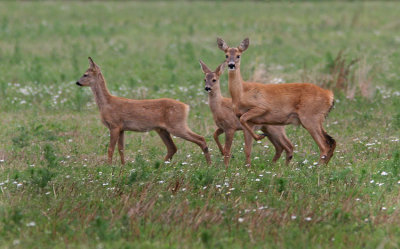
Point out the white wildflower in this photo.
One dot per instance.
(31, 224)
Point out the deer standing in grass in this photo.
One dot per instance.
(165, 116)
(228, 123)
(278, 104)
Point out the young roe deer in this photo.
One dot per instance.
(165, 116)
(278, 104)
(228, 123)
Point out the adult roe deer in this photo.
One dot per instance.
(278, 104)
(165, 116)
(228, 123)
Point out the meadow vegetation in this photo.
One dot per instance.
(57, 190)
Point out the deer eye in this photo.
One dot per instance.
(214, 80)
(226, 56)
(85, 75)
(238, 56)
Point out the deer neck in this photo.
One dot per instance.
(235, 84)
(101, 94)
(215, 97)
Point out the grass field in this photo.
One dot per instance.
(58, 192)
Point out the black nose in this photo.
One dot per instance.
(207, 89)
(231, 65)
(79, 84)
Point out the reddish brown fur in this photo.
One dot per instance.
(228, 123)
(165, 116)
(279, 104)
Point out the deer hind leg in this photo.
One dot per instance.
(331, 143)
(315, 129)
(247, 116)
(166, 138)
(274, 138)
(280, 141)
(248, 145)
(121, 146)
(229, 134)
(288, 149)
(187, 134)
(218, 132)
(114, 134)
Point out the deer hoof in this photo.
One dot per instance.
(259, 137)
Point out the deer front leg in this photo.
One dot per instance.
(218, 132)
(169, 143)
(248, 145)
(228, 144)
(114, 134)
(121, 146)
(252, 113)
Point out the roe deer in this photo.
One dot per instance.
(165, 116)
(278, 104)
(227, 122)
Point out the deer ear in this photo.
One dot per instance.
(204, 67)
(244, 45)
(91, 63)
(220, 69)
(222, 44)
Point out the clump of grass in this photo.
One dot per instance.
(41, 176)
(202, 177)
(21, 139)
(340, 71)
(350, 76)
(50, 156)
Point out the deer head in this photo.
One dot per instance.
(211, 78)
(232, 55)
(90, 76)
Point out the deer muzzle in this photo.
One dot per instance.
(231, 66)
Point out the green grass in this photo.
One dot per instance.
(57, 190)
